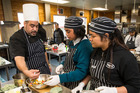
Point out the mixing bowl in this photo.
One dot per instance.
(39, 82)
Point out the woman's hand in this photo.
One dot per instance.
(78, 88)
(104, 89)
(53, 80)
(59, 69)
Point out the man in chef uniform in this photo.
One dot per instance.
(26, 48)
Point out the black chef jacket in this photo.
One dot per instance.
(18, 44)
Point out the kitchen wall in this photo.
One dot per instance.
(107, 14)
(17, 7)
(86, 14)
(7, 30)
(67, 11)
(1, 11)
(103, 13)
(1, 16)
(49, 30)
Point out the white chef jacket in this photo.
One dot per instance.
(136, 39)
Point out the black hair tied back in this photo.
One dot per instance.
(79, 32)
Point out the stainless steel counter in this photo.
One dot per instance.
(6, 46)
(6, 65)
(56, 53)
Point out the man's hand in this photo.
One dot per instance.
(33, 74)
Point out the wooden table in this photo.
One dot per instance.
(47, 89)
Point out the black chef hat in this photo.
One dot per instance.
(132, 29)
(102, 25)
(73, 22)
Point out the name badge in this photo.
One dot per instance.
(110, 65)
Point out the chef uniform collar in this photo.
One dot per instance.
(78, 40)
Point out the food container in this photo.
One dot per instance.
(55, 49)
(39, 82)
(19, 79)
(26, 90)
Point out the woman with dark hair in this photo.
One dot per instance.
(76, 64)
(113, 69)
(133, 40)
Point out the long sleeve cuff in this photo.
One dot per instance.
(131, 89)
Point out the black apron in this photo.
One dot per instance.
(97, 75)
(36, 58)
(131, 44)
(57, 37)
(70, 66)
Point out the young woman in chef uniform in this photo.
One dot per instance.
(113, 69)
(77, 60)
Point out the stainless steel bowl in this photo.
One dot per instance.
(19, 79)
(42, 77)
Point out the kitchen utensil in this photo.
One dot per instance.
(25, 89)
(19, 79)
(39, 82)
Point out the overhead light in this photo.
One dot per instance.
(1, 22)
(100, 9)
(46, 23)
(106, 5)
(56, 1)
(117, 12)
(133, 11)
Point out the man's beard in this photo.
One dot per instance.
(33, 33)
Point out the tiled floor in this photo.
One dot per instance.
(12, 71)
